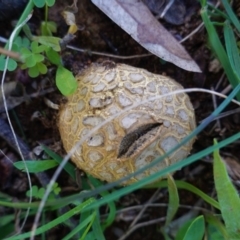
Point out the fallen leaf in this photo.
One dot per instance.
(137, 20)
(69, 16)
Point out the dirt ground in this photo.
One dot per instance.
(100, 34)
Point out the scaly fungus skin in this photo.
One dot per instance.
(134, 138)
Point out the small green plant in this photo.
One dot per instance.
(33, 59)
(12, 64)
(48, 28)
(37, 53)
(42, 3)
(38, 193)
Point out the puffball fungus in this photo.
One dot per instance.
(138, 131)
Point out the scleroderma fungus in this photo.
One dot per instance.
(135, 137)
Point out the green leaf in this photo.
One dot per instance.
(24, 66)
(188, 187)
(15, 47)
(25, 42)
(12, 64)
(227, 196)
(47, 28)
(45, 31)
(33, 71)
(42, 68)
(215, 225)
(34, 46)
(39, 3)
(38, 57)
(37, 48)
(53, 56)
(20, 42)
(30, 61)
(232, 49)
(182, 230)
(52, 42)
(50, 3)
(219, 50)
(41, 193)
(56, 189)
(213, 233)
(231, 14)
(65, 81)
(173, 200)
(97, 231)
(195, 230)
(2, 62)
(52, 26)
(25, 52)
(36, 166)
(27, 31)
(34, 192)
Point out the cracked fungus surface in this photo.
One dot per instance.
(134, 138)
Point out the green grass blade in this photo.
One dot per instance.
(183, 229)
(190, 188)
(219, 50)
(111, 205)
(87, 221)
(173, 204)
(216, 12)
(231, 14)
(83, 216)
(55, 222)
(89, 226)
(227, 196)
(203, 2)
(36, 166)
(195, 230)
(215, 222)
(232, 49)
(69, 168)
(97, 230)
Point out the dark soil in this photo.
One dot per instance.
(100, 34)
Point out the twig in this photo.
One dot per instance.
(10, 54)
(145, 206)
(151, 222)
(107, 54)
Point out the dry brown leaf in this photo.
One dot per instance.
(69, 16)
(137, 20)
